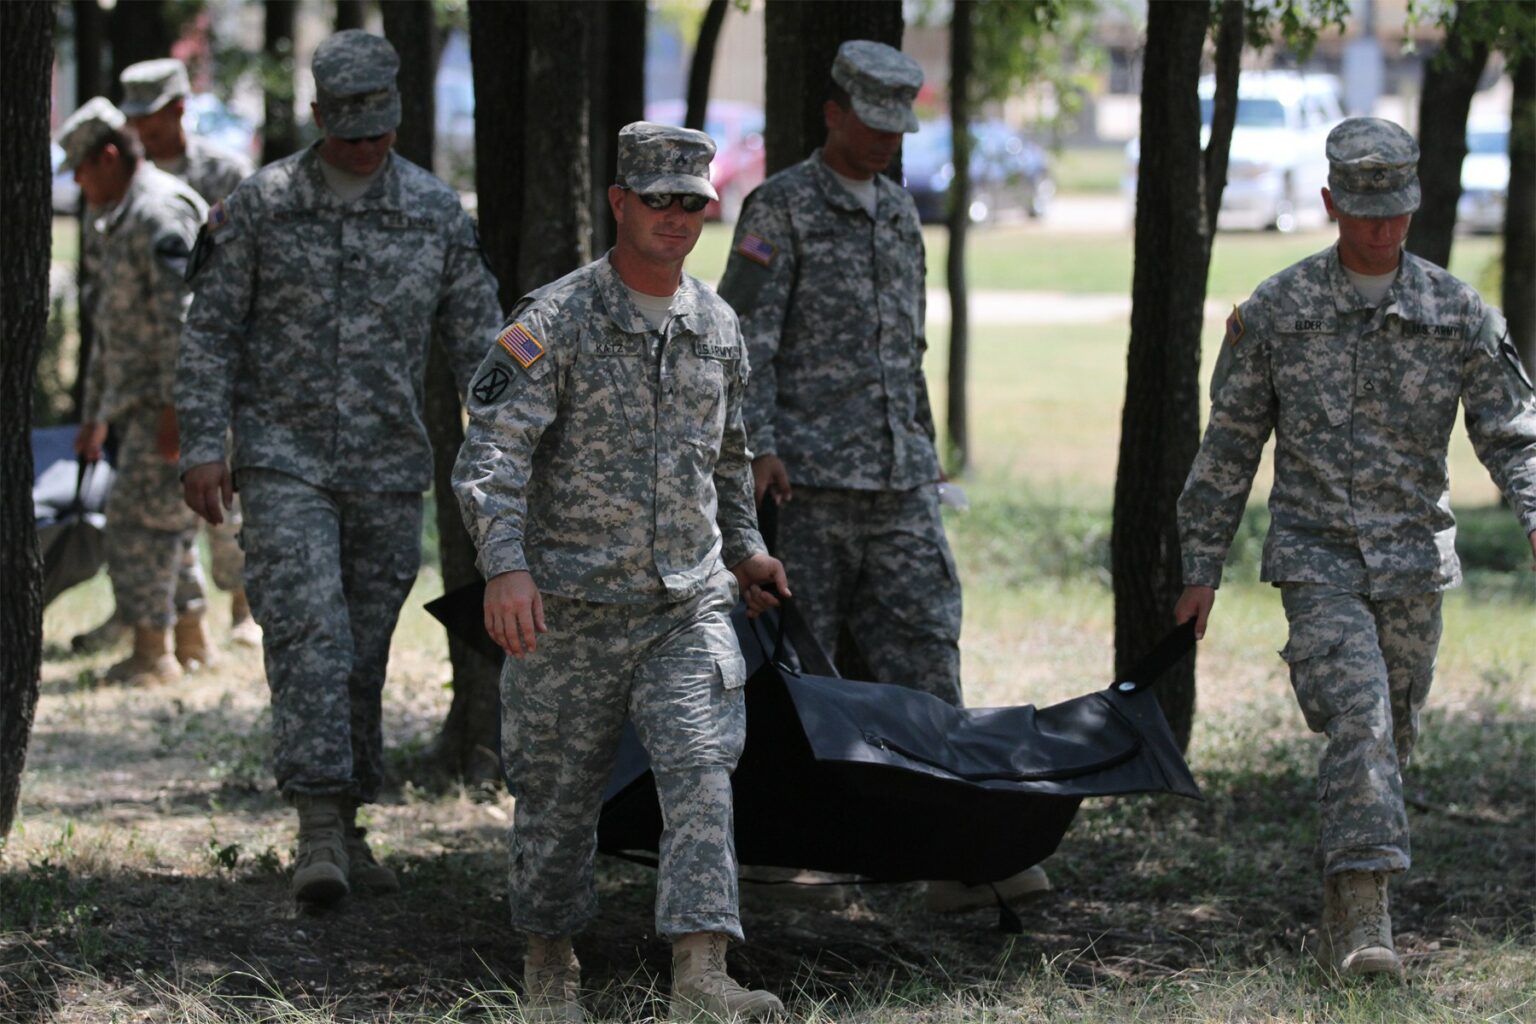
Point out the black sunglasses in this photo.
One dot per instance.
(690, 202)
(365, 138)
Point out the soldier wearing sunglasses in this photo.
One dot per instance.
(606, 481)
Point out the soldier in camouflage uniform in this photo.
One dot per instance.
(605, 479)
(147, 226)
(320, 282)
(827, 274)
(1356, 359)
(154, 101)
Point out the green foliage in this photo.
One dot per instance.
(1036, 43)
(1296, 23)
(1508, 28)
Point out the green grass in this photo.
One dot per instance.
(1096, 170)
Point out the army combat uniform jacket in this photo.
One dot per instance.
(832, 305)
(607, 459)
(312, 319)
(141, 296)
(212, 170)
(1362, 400)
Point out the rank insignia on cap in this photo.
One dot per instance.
(1235, 327)
(218, 216)
(521, 345)
(756, 249)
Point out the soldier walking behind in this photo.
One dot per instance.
(827, 273)
(321, 281)
(605, 479)
(148, 222)
(154, 101)
(1356, 358)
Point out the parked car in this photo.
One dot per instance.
(1276, 166)
(1009, 173)
(1484, 178)
(740, 158)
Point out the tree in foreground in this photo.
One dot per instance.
(26, 56)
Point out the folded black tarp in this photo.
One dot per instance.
(893, 784)
(68, 499)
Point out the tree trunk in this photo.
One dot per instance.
(90, 81)
(26, 64)
(961, 58)
(1519, 293)
(1160, 423)
(800, 41)
(618, 99)
(410, 26)
(352, 14)
(703, 64)
(498, 43)
(137, 31)
(1229, 62)
(279, 131)
(557, 178)
(1450, 79)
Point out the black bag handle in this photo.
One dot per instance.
(813, 657)
(1176, 643)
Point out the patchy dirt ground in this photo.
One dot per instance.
(150, 866)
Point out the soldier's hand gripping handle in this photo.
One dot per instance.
(1195, 603)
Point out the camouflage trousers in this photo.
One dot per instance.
(326, 573)
(1361, 669)
(149, 527)
(675, 671)
(878, 563)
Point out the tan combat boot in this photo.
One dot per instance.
(107, 635)
(1357, 927)
(193, 648)
(150, 663)
(957, 897)
(702, 990)
(363, 871)
(242, 627)
(320, 869)
(551, 981)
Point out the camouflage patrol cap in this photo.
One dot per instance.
(1373, 168)
(151, 84)
(355, 84)
(86, 129)
(660, 158)
(881, 82)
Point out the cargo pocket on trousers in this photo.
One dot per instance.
(1307, 652)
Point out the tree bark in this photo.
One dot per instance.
(26, 64)
(961, 58)
(703, 64)
(1450, 79)
(279, 131)
(411, 27)
(137, 31)
(557, 178)
(1519, 290)
(1229, 62)
(352, 14)
(498, 42)
(618, 99)
(1160, 423)
(801, 39)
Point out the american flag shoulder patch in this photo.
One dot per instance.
(1235, 328)
(756, 249)
(218, 215)
(521, 345)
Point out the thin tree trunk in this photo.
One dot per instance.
(1229, 62)
(410, 26)
(1519, 295)
(961, 57)
(26, 62)
(703, 63)
(618, 99)
(1160, 422)
(557, 177)
(1450, 79)
(279, 132)
(801, 39)
(352, 14)
(137, 31)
